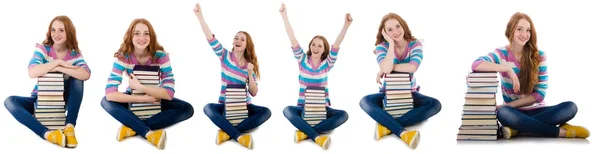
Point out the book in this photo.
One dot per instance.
(148, 76)
(315, 105)
(236, 104)
(479, 121)
(49, 108)
(398, 93)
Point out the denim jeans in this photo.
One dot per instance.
(540, 121)
(335, 118)
(22, 108)
(172, 112)
(424, 107)
(257, 115)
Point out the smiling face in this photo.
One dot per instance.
(239, 42)
(522, 32)
(317, 47)
(58, 33)
(393, 29)
(141, 36)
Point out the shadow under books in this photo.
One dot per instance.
(529, 139)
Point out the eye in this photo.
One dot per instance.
(136, 33)
(389, 29)
(146, 33)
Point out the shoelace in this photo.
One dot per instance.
(129, 133)
(573, 133)
(69, 133)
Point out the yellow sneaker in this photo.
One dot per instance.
(124, 132)
(245, 140)
(299, 136)
(222, 137)
(411, 138)
(70, 135)
(323, 141)
(57, 137)
(576, 131)
(158, 138)
(381, 131)
(508, 132)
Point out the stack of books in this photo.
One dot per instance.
(50, 105)
(315, 103)
(398, 94)
(148, 76)
(236, 104)
(479, 121)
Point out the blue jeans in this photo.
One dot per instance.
(424, 107)
(22, 108)
(335, 118)
(541, 121)
(172, 112)
(257, 115)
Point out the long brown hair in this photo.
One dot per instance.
(530, 61)
(250, 54)
(71, 42)
(127, 45)
(325, 45)
(407, 34)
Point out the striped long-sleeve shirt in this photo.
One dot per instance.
(44, 54)
(413, 54)
(232, 72)
(503, 56)
(126, 64)
(313, 74)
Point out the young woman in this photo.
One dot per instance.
(399, 51)
(58, 53)
(238, 66)
(140, 47)
(314, 67)
(524, 83)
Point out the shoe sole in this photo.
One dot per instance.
(71, 145)
(296, 140)
(415, 140)
(326, 144)
(163, 139)
(251, 144)
(506, 133)
(377, 136)
(64, 139)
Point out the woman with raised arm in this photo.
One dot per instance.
(397, 50)
(238, 67)
(314, 66)
(524, 82)
(58, 53)
(140, 47)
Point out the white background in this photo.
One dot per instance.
(455, 33)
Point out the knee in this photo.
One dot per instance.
(188, 109)
(436, 106)
(9, 103)
(344, 115)
(364, 102)
(106, 105)
(208, 109)
(506, 116)
(288, 111)
(76, 82)
(570, 107)
(267, 112)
